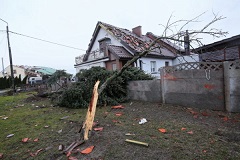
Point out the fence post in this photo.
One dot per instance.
(226, 83)
(162, 84)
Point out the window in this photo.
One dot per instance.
(14, 71)
(114, 66)
(153, 66)
(166, 63)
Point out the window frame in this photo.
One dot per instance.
(153, 65)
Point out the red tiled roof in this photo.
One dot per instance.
(167, 42)
(135, 42)
(130, 41)
(120, 51)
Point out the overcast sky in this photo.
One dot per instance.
(72, 22)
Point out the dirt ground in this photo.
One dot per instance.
(190, 133)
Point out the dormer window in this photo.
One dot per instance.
(103, 44)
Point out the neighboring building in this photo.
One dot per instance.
(42, 70)
(30, 71)
(224, 50)
(111, 47)
(17, 70)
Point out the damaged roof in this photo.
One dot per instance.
(166, 43)
(132, 42)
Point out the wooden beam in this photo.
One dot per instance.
(137, 142)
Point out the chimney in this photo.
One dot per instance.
(187, 43)
(137, 30)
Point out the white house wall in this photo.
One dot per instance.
(18, 71)
(146, 65)
(185, 59)
(89, 65)
(101, 34)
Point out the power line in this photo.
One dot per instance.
(63, 45)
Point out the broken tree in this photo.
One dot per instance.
(88, 124)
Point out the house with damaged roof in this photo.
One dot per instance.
(112, 47)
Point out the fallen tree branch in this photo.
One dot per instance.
(72, 146)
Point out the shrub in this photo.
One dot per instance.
(79, 95)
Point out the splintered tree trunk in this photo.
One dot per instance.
(91, 112)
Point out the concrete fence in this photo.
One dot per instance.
(205, 85)
(148, 90)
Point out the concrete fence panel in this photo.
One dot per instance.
(145, 90)
(194, 88)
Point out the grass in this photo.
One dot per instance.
(34, 119)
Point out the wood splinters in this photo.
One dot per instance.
(91, 112)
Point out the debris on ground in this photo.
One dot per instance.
(162, 130)
(117, 107)
(68, 154)
(35, 153)
(129, 134)
(72, 146)
(60, 147)
(116, 121)
(10, 135)
(4, 118)
(24, 140)
(142, 121)
(36, 140)
(1, 155)
(87, 150)
(98, 129)
(48, 148)
(119, 114)
(190, 132)
(137, 142)
(64, 117)
(60, 131)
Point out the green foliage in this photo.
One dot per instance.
(56, 76)
(7, 82)
(79, 95)
(24, 81)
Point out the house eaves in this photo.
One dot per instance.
(225, 43)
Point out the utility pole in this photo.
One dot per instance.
(10, 57)
(2, 67)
